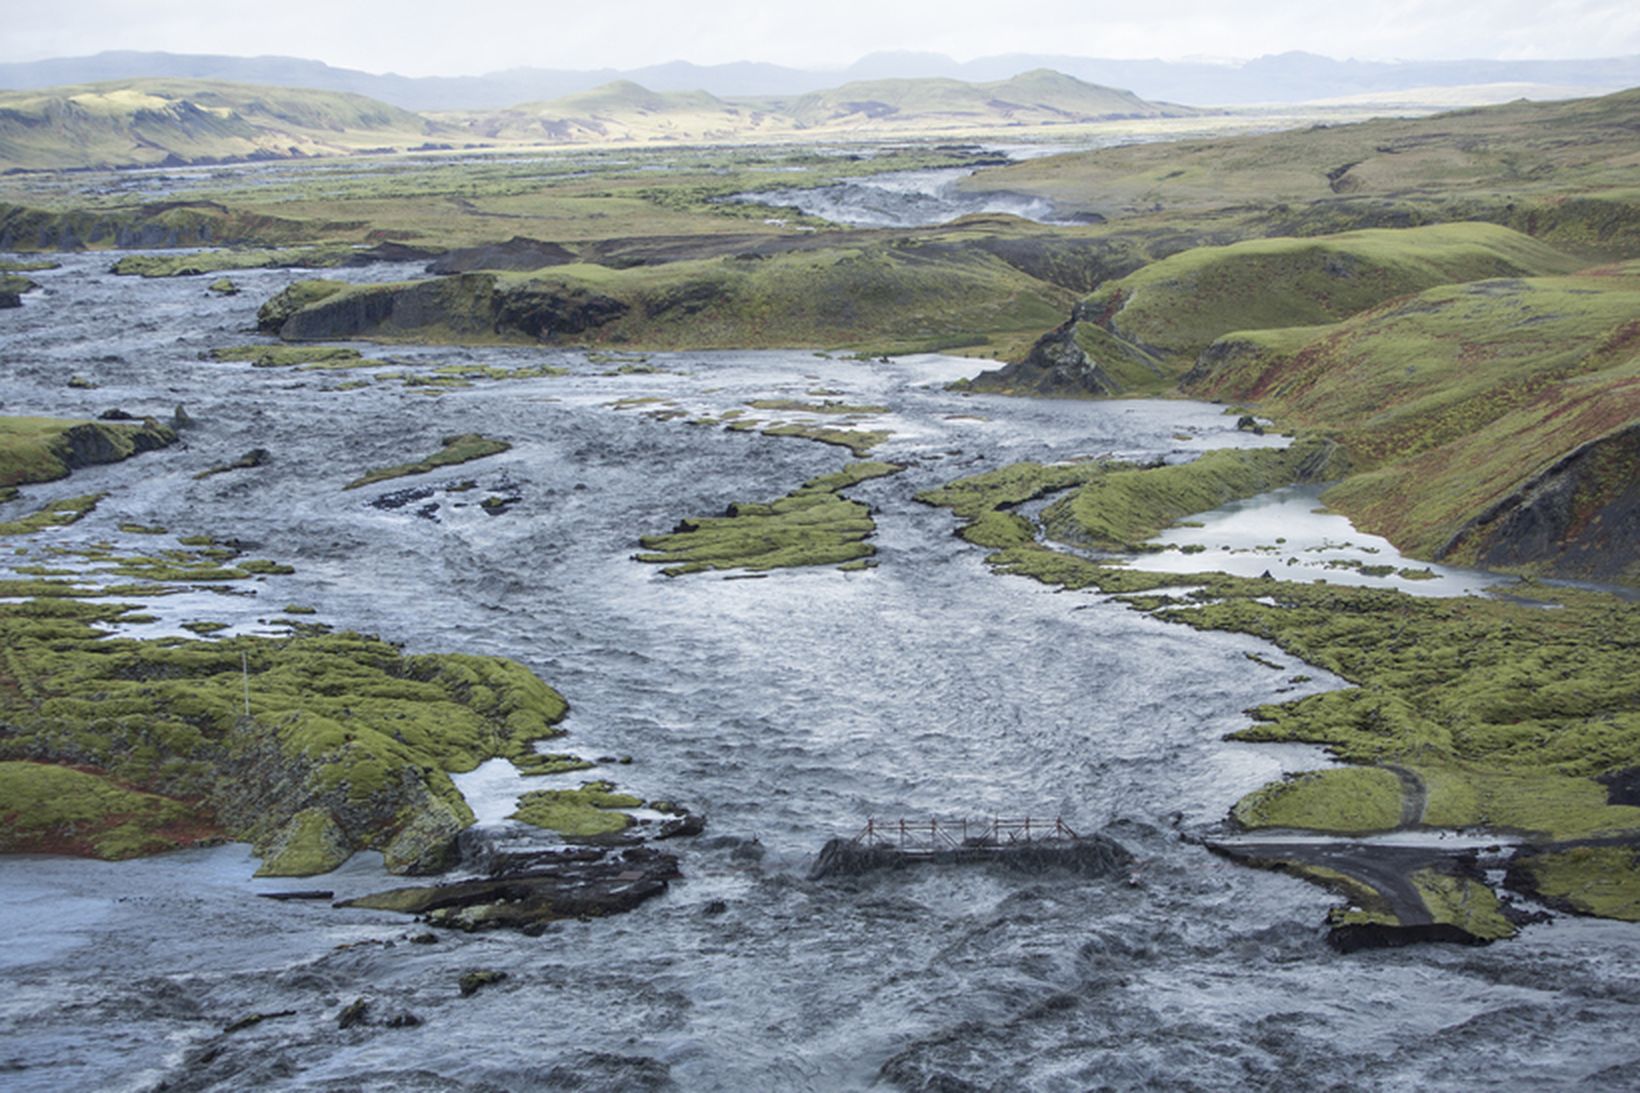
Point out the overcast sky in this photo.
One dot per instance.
(441, 37)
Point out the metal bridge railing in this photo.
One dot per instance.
(931, 836)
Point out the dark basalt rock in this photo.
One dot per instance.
(525, 891)
(1581, 516)
(1355, 936)
(391, 252)
(398, 499)
(1622, 786)
(472, 982)
(86, 445)
(517, 253)
(546, 313)
(354, 1013)
(256, 457)
(253, 1019)
(1056, 365)
(12, 288)
(684, 823)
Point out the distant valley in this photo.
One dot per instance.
(149, 122)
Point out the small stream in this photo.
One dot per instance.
(788, 709)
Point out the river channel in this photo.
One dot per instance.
(788, 709)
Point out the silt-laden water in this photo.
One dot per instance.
(788, 709)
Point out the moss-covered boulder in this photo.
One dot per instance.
(12, 288)
(42, 449)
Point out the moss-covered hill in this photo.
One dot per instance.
(1140, 333)
(1496, 422)
(895, 296)
(1481, 387)
(152, 121)
(309, 747)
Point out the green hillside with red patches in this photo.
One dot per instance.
(1495, 422)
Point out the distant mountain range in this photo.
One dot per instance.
(148, 122)
(172, 121)
(627, 111)
(1281, 78)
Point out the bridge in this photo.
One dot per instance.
(931, 836)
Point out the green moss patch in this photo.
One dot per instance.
(462, 448)
(341, 722)
(1593, 880)
(216, 261)
(288, 356)
(1124, 508)
(37, 449)
(590, 811)
(1454, 899)
(52, 809)
(858, 441)
(53, 514)
(827, 406)
(1178, 306)
(543, 764)
(12, 289)
(311, 843)
(813, 525)
(886, 297)
(1347, 800)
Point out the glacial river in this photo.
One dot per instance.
(788, 709)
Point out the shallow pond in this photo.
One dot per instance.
(1288, 534)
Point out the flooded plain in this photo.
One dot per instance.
(788, 709)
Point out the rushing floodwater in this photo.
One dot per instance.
(901, 199)
(788, 709)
